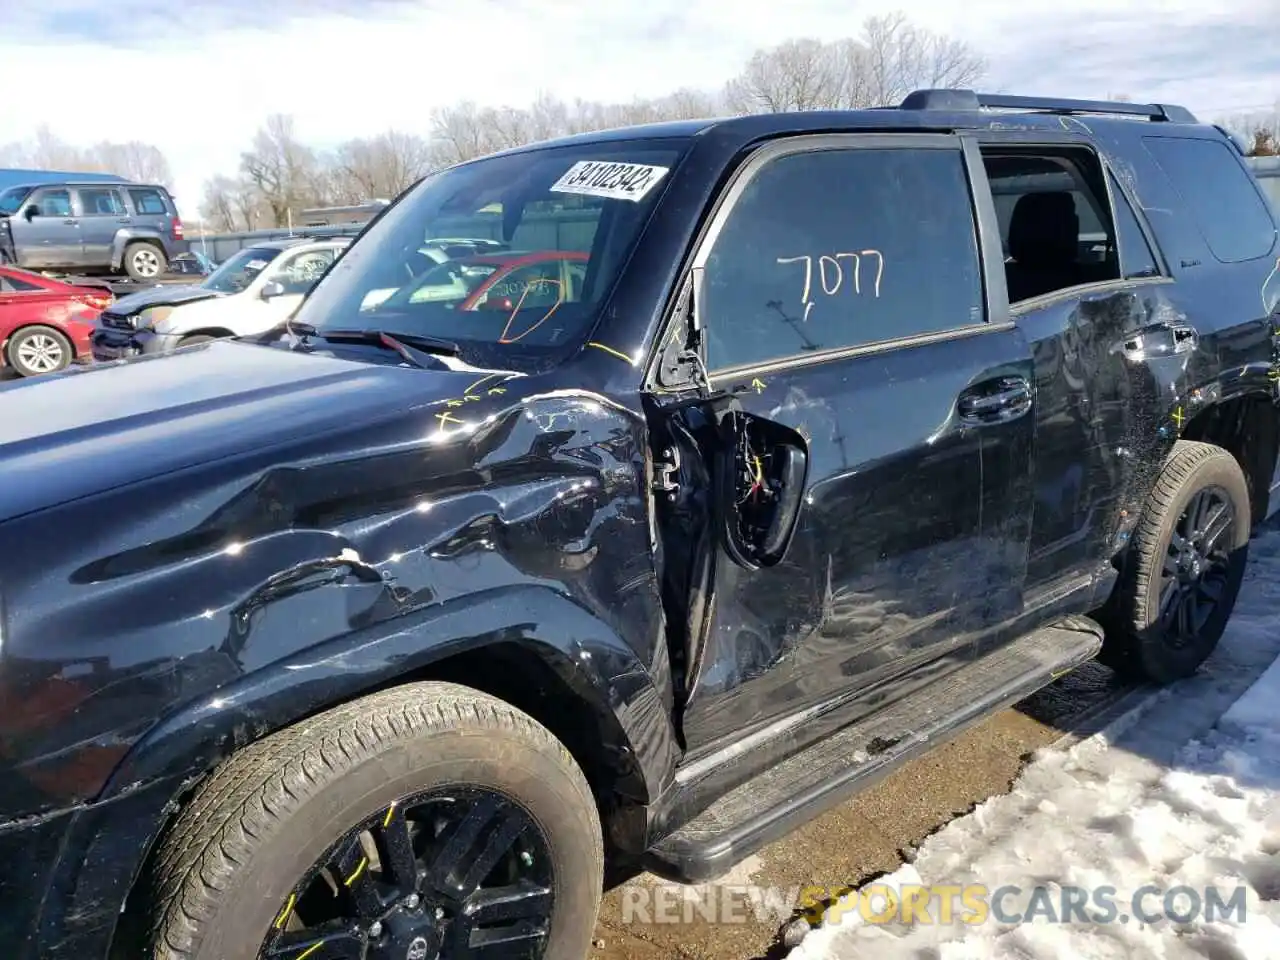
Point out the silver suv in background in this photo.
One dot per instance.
(132, 228)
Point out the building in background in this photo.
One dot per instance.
(355, 213)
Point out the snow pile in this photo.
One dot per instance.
(1164, 800)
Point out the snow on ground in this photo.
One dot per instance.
(1183, 791)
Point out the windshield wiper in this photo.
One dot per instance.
(417, 348)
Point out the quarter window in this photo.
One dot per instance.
(842, 248)
(1136, 258)
(148, 202)
(1219, 195)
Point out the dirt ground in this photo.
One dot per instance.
(869, 834)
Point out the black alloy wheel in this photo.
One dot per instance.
(445, 875)
(1196, 569)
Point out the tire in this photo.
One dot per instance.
(1140, 643)
(229, 880)
(144, 261)
(34, 351)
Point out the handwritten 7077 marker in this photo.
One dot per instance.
(833, 259)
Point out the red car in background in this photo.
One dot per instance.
(45, 324)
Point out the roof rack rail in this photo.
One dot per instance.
(968, 100)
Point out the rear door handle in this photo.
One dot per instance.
(996, 401)
(71, 222)
(125, 220)
(1161, 340)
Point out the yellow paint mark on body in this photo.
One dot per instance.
(309, 951)
(758, 385)
(386, 821)
(1178, 417)
(609, 350)
(447, 418)
(483, 379)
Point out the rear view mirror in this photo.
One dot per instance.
(272, 288)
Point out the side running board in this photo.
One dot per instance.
(805, 785)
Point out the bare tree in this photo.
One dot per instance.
(1258, 129)
(795, 75)
(218, 205)
(133, 160)
(378, 167)
(281, 167)
(890, 58)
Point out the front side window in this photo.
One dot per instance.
(842, 248)
(422, 268)
(53, 203)
(100, 202)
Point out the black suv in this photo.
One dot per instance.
(379, 636)
(132, 228)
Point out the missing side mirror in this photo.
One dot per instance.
(760, 474)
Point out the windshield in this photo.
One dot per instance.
(12, 199)
(238, 270)
(510, 257)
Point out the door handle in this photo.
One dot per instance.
(997, 401)
(1161, 340)
(71, 222)
(125, 220)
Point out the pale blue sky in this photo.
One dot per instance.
(89, 68)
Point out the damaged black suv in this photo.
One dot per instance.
(762, 455)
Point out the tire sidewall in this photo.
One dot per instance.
(1224, 474)
(528, 775)
(17, 339)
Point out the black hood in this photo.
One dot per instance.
(79, 433)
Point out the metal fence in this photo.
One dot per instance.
(554, 230)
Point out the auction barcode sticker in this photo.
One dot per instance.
(605, 178)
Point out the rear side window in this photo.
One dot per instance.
(842, 248)
(148, 201)
(1219, 195)
(100, 202)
